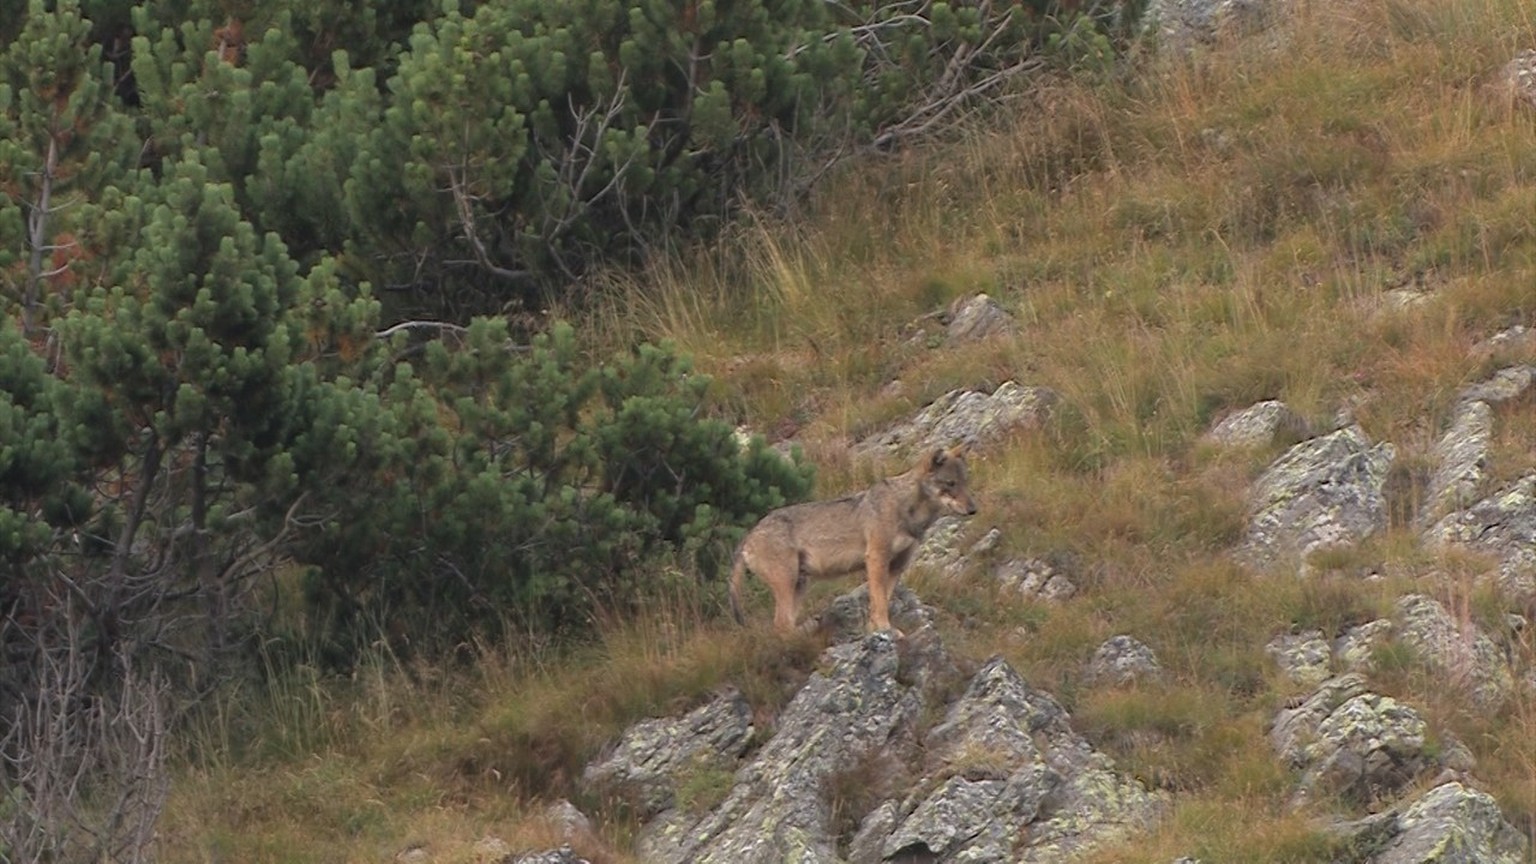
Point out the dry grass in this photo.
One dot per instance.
(1205, 235)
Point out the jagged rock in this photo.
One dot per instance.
(776, 811)
(1520, 76)
(1295, 728)
(1518, 338)
(1305, 658)
(491, 850)
(564, 817)
(1182, 25)
(1041, 780)
(965, 415)
(847, 616)
(974, 318)
(1502, 525)
(1123, 660)
(1322, 493)
(1349, 741)
(563, 855)
(987, 543)
(1369, 747)
(416, 853)
(1452, 824)
(940, 547)
(648, 760)
(1461, 460)
(1505, 385)
(1260, 425)
(1466, 658)
(968, 819)
(1356, 647)
(868, 845)
(1003, 764)
(1403, 299)
(1035, 579)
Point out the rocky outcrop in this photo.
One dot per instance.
(1456, 511)
(1032, 578)
(777, 811)
(1465, 658)
(1260, 425)
(645, 766)
(974, 416)
(1502, 525)
(974, 318)
(1348, 741)
(1035, 579)
(1123, 660)
(847, 617)
(1305, 658)
(1008, 766)
(1001, 762)
(1449, 824)
(1181, 25)
(1520, 77)
(1460, 458)
(1323, 493)
(1505, 385)
(563, 855)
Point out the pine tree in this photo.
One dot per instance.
(62, 139)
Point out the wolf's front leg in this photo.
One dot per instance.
(882, 582)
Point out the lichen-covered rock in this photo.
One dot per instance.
(1040, 780)
(1181, 25)
(1459, 651)
(490, 850)
(1502, 525)
(1364, 746)
(974, 318)
(1002, 765)
(1123, 660)
(1505, 385)
(847, 617)
(1355, 649)
(940, 547)
(1305, 658)
(563, 855)
(1518, 339)
(965, 415)
(1323, 493)
(565, 818)
(1461, 461)
(1035, 579)
(776, 811)
(1260, 425)
(868, 844)
(1295, 728)
(1520, 77)
(1453, 824)
(646, 762)
(1369, 747)
(971, 820)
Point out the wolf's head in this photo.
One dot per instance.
(943, 478)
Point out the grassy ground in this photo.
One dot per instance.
(1176, 244)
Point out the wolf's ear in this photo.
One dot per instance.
(937, 460)
(961, 450)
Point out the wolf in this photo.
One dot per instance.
(876, 530)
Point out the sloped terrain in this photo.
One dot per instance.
(1252, 579)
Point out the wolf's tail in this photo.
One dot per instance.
(738, 570)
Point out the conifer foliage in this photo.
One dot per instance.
(215, 424)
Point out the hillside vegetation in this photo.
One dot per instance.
(1176, 239)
